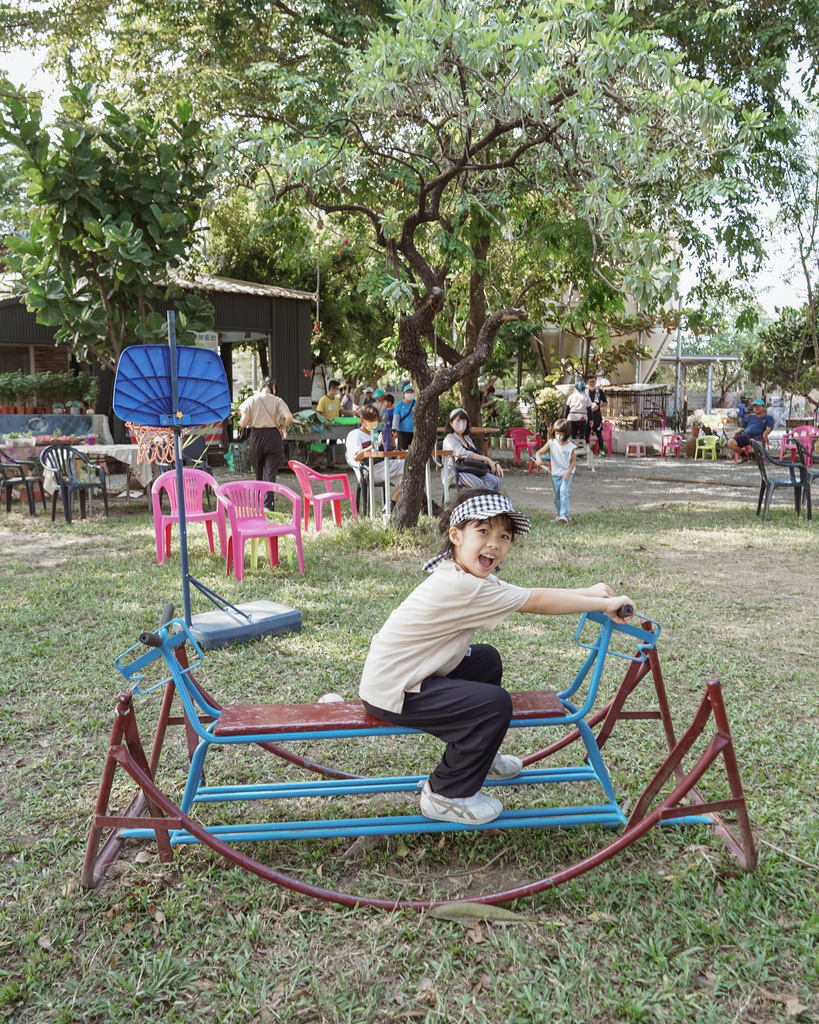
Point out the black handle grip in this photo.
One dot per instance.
(625, 611)
(153, 639)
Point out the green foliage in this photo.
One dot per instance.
(507, 416)
(783, 354)
(117, 198)
(551, 404)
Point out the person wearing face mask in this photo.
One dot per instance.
(402, 421)
(467, 467)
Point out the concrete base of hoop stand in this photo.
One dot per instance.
(222, 627)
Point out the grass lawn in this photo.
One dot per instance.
(669, 931)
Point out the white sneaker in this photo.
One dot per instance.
(504, 766)
(463, 810)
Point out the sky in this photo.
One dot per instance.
(778, 284)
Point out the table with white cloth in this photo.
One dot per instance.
(371, 455)
(127, 454)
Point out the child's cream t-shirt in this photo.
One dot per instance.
(429, 633)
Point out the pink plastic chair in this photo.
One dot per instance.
(805, 435)
(305, 476)
(607, 430)
(244, 502)
(671, 443)
(524, 441)
(194, 481)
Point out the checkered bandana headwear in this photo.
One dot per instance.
(483, 506)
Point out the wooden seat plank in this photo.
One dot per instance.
(255, 719)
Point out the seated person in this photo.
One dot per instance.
(358, 443)
(757, 426)
(471, 473)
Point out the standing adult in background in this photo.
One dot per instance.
(489, 407)
(578, 406)
(402, 421)
(597, 397)
(329, 405)
(346, 399)
(267, 416)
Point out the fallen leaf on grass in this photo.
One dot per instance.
(426, 991)
(791, 1003)
(793, 1007)
(159, 917)
(144, 857)
(275, 999)
(598, 915)
(474, 912)
(44, 942)
(475, 932)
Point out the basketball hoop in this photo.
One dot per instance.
(154, 444)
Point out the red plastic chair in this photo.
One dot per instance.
(524, 441)
(194, 481)
(671, 443)
(805, 435)
(244, 502)
(305, 476)
(607, 430)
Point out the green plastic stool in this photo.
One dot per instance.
(287, 550)
(706, 444)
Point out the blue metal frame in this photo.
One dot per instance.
(607, 814)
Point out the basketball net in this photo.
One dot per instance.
(154, 444)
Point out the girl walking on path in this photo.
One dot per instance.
(562, 455)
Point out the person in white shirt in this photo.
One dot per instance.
(578, 410)
(359, 441)
(562, 460)
(424, 672)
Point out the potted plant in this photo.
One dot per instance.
(696, 425)
(6, 393)
(90, 392)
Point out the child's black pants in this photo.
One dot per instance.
(469, 710)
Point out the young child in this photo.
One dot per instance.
(561, 452)
(424, 672)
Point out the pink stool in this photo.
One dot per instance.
(635, 448)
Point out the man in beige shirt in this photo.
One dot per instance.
(267, 416)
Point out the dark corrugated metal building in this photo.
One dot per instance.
(244, 312)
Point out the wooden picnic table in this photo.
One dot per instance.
(371, 455)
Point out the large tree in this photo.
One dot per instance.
(455, 116)
(777, 359)
(117, 197)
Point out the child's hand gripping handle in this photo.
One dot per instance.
(153, 639)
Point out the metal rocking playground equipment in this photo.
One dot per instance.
(209, 724)
(163, 392)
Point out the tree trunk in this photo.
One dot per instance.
(413, 357)
(470, 392)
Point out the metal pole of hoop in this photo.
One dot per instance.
(180, 480)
